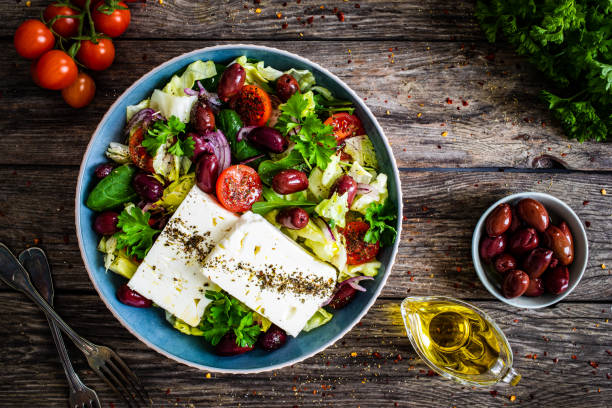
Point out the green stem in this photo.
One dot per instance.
(92, 27)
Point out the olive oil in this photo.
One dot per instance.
(458, 340)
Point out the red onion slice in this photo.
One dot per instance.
(220, 147)
(244, 132)
(251, 159)
(327, 231)
(144, 118)
(190, 92)
(354, 282)
(211, 98)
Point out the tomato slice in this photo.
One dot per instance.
(139, 155)
(345, 125)
(357, 250)
(253, 105)
(238, 187)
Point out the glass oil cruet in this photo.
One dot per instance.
(458, 341)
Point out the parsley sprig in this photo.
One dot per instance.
(314, 140)
(162, 132)
(379, 216)
(226, 313)
(136, 235)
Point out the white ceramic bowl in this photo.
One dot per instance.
(558, 211)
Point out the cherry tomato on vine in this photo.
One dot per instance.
(97, 57)
(33, 39)
(64, 26)
(80, 93)
(345, 125)
(56, 70)
(115, 23)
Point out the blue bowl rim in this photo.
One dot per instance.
(355, 99)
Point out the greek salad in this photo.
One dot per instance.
(246, 202)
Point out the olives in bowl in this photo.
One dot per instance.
(529, 250)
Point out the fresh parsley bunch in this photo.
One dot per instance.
(379, 216)
(226, 313)
(136, 235)
(162, 132)
(570, 41)
(314, 140)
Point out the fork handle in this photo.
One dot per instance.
(73, 380)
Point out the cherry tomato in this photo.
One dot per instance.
(80, 92)
(113, 24)
(139, 155)
(357, 250)
(253, 105)
(33, 73)
(80, 3)
(66, 26)
(98, 56)
(238, 187)
(33, 39)
(345, 125)
(56, 70)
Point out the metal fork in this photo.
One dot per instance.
(105, 362)
(35, 262)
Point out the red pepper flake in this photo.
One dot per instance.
(529, 356)
(587, 223)
(357, 6)
(424, 208)
(431, 373)
(28, 183)
(168, 391)
(555, 360)
(449, 101)
(563, 154)
(585, 202)
(399, 357)
(545, 354)
(285, 4)
(535, 356)
(310, 20)
(340, 16)
(112, 405)
(608, 376)
(490, 57)
(593, 364)
(284, 26)
(464, 103)
(395, 404)
(516, 320)
(459, 269)
(574, 357)
(493, 393)
(349, 61)
(609, 352)
(412, 279)
(298, 1)
(376, 354)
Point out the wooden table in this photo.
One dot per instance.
(467, 128)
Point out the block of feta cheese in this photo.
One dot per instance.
(270, 273)
(171, 273)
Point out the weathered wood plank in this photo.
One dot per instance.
(574, 334)
(235, 19)
(441, 210)
(503, 125)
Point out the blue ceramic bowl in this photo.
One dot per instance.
(149, 325)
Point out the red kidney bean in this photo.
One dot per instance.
(533, 213)
(499, 220)
(286, 85)
(556, 280)
(274, 338)
(132, 298)
(268, 138)
(515, 284)
(523, 241)
(207, 170)
(106, 223)
(557, 241)
(490, 247)
(104, 170)
(293, 218)
(505, 263)
(345, 184)
(227, 346)
(202, 117)
(343, 297)
(537, 262)
(289, 181)
(231, 82)
(535, 288)
(148, 187)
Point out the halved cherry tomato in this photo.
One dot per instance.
(253, 105)
(98, 56)
(238, 187)
(56, 70)
(357, 250)
(139, 155)
(33, 39)
(64, 26)
(113, 24)
(80, 92)
(345, 125)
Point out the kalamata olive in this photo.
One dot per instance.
(515, 284)
(227, 346)
(568, 233)
(104, 170)
(207, 171)
(293, 218)
(289, 181)
(553, 263)
(345, 184)
(533, 213)
(106, 223)
(132, 298)
(286, 85)
(490, 247)
(535, 288)
(268, 138)
(499, 220)
(343, 297)
(505, 263)
(231, 81)
(556, 280)
(148, 187)
(201, 145)
(523, 241)
(515, 224)
(274, 338)
(202, 117)
(557, 241)
(537, 262)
